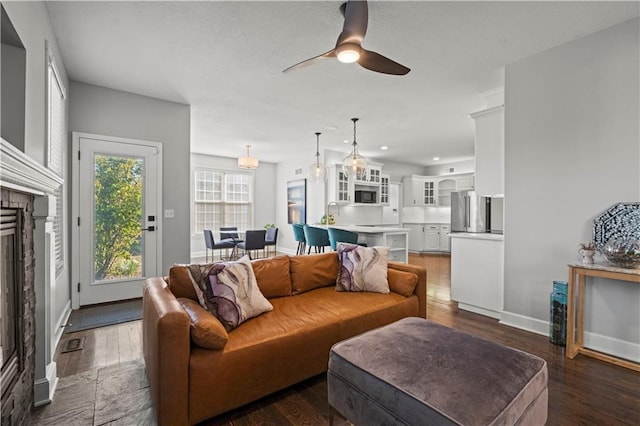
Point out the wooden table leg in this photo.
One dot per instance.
(571, 349)
(580, 307)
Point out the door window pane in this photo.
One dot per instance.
(118, 214)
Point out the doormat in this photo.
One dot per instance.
(73, 344)
(104, 314)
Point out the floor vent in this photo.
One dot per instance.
(75, 344)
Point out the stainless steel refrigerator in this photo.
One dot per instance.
(469, 212)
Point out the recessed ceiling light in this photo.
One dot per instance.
(332, 128)
(384, 147)
(347, 141)
(436, 158)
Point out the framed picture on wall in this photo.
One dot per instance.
(297, 201)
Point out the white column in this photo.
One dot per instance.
(44, 280)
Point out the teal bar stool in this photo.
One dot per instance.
(298, 235)
(342, 236)
(318, 238)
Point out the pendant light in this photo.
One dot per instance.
(248, 162)
(318, 171)
(354, 163)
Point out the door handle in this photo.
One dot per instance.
(150, 229)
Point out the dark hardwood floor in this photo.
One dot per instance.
(583, 391)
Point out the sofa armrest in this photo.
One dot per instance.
(421, 286)
(166, 346)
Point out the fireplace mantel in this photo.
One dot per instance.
(20, 172)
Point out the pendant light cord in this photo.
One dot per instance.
(318, 149)
(355, 144)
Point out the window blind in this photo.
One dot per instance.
(56, 115)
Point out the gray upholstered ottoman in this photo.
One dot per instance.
(417, 372)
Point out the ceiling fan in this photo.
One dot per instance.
(349, 45)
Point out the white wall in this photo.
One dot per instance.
(572, 149)
(31, 21)
(467, 166)
(103, 111)
(264, 207)
(294, 168)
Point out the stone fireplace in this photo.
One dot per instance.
(28, 375)
(17, 310)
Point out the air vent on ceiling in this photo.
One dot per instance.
(298, 171)
(451, 169)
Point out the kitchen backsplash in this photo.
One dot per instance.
(358, 215)
(426, 214)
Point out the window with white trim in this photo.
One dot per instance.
(56, 135)
(222, 198)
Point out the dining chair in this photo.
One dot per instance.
(342, 236)
(253, 240)
(271, 238)
(230, 232)
(318, 238)
(298, 235)
(211, 244)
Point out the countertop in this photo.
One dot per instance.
(611, 267)
(366, 229)
(477, 236)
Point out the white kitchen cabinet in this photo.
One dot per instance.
(477, 272)
(428, 237)
(370, 175)
(445, 187)
(413, 189)
(339, 185)
(429, 192)
(431, 237)
(384, 188)
(416, 237)
(489, 150)
(420, 191)
(465, 183)
(445, 241)
(393, 237)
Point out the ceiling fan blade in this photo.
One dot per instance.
(356, 17)
(376, 62)
(330, 54)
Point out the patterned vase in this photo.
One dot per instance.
(587, 256)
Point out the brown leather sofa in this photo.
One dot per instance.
(277, 349)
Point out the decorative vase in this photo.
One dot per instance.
(587, 256)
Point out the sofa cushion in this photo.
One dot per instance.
(206, 330)
(402, 282)
(273, 276)
(231, 293)
(313, 271)
(362, 268)
(180, 282)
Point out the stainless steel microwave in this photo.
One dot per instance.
(365, 196)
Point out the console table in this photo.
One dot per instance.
(578, 274)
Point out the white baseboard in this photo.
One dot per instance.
(612, 346)
(43, 389)
(58, 331)
(477, 310)
(286, 251)
(598, 342)
(525, 323)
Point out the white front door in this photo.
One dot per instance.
(117, 199)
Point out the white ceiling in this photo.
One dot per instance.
(225, 59)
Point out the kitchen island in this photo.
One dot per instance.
(395, 238)
(477, 272)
